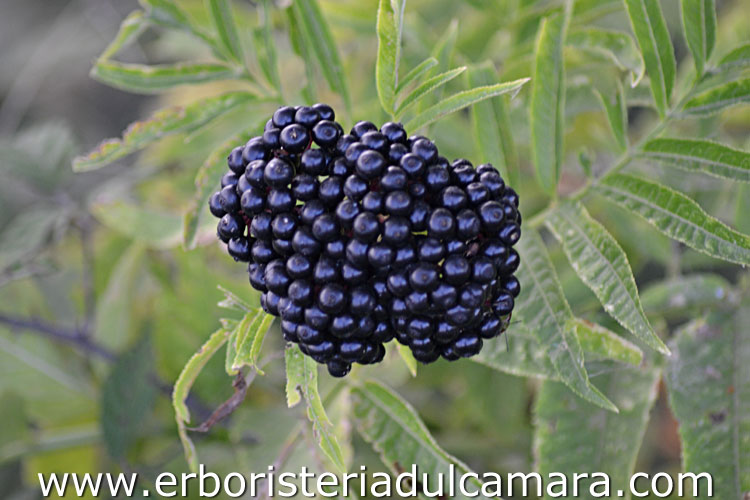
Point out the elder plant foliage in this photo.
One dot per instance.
(623, 125)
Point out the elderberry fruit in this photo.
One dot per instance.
(357, 239)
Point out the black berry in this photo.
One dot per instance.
(356, 239)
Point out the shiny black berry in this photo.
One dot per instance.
(357, 239)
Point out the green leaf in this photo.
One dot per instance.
(601, 343)
(738, 58)
(397, 433)
(415, 74)
(708, 381)
(687, 293)
(206, 184)
(462, 100)
(168, 121)
(293, 359)
(154, 228)
(405, 353)
(677, 216)
(311, 22)
(128, 396)
(548, 100)
(443, 50)
(169, 14)
(302, 376)
(574, 437)
(15, 421)
(301, 48)
(158, 78)
(425, 88)
(544, 310)
(602, 265)
(26, 233)
(223, 21)
(702, 156)
(617, 115)
(616, 46)
(232, 301)
(742, 208)
(231, 354)
(265, 46)
(651, 32)
(39, 156)
(250, 334)
(699, 22)
(517, 352)
(445, 47)
(113, 320)
(130, 28)
(182, 387)
(720, 97)
(389, 27)
(493, 133)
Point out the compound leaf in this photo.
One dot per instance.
(169, 14)
(158, 78)
(182, 387)
(302, 376)
(601, 343)
(233, 301)
(220, 12)
(677, 216)
(651, 32)
(415, 73)
(544, 310)
(397, 433)
(738, 58)
(168, 121)
(130, 28)
(687, 293)
(717, 98)
(406, 356)
(265, 45)
(702, 156)
(389, 27)
(708, 380)
(617, 114)
(616, 46)
(604, 442)
(462, 100)
(251, 332)
(699, 22)
(517, 352)
(491, 125)
(548, 101)
(603, 266)
(231, 353)
(425, 88)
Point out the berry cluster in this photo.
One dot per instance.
(357, 238)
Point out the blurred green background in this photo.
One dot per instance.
(100, 306)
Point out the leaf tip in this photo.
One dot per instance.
(664, 349)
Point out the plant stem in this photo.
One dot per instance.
(76, 338)
(623, 160)
(87, 274)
